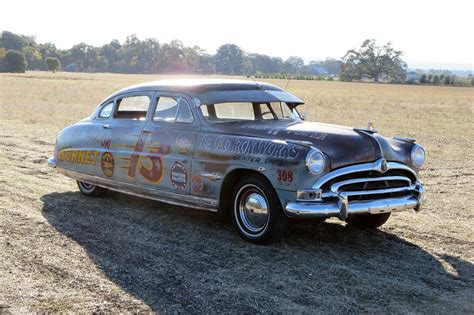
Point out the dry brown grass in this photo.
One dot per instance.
(60, 251)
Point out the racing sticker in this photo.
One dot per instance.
(178, 176)
(107, 164)
(197, 184)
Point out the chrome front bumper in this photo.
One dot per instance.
(343, 208)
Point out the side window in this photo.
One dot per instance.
(166, 109)
(132, 107)
(106, 110)
(204, 110)
(172, 110)
(184, 112)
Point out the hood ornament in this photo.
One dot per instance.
(383, 166)
(370, 126)
(369, 130)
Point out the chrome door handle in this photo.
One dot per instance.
(146, 130)
(106, 126)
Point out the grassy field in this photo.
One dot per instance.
(60, 251)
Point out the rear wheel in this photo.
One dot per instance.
(91, 190)
(368, 221)
(257, 214)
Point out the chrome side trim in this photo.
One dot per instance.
(335, 187)
(169, 197)
(302, 143)
(374, 166)
(211, 176)
(52, 162)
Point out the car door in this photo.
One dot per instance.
(120, 162)
(170, 134)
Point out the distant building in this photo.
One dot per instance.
(317, 70)
(72, 67)
(412, 76)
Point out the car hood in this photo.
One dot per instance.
(343, 145)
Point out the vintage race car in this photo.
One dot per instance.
(241, 148)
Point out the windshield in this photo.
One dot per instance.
(237, 111)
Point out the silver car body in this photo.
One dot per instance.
(195, 163)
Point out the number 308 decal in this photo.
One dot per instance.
(284, 176)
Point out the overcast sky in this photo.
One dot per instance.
(434, 34)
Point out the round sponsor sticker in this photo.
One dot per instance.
(107, 164)
(183, 145)
(178, 176)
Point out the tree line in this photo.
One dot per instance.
(135, 55)
(370, 62)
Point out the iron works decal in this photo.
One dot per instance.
(248, 147)
(178, 176)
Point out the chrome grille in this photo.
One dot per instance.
(368, 182)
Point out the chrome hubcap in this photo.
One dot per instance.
(253, 209)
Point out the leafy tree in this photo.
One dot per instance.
(14, 61)
(447, 80)
(48, 50)
(436, 79)
(111, 52)
(264, 64)
(429, 78)
(229, 59)
(3, 52)
(53, 64)
(172, 58)
(33, 56)
(423, 79)
(9, 40)
(293, 65)
(374, 62)
(332, 65)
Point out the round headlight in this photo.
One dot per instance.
(417, 155)
(315, 161)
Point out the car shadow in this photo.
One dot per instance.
(181, 260)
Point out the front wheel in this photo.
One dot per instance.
(257, 214)
(368, 221)
(91, 190)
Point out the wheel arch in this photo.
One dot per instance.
(229, 182)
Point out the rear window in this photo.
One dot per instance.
(240, 111)
(237, 111)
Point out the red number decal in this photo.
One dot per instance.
(285, 176)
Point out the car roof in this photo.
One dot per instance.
(198, 86)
